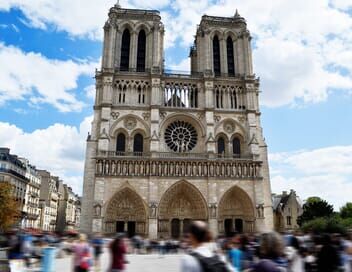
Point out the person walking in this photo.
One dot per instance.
(235, 254)
(118, 251)
(327, 259)
(97, 243)
(201, 258)
(82, 255)
(271, 252)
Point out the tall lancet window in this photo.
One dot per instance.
(230, 57)
(221, 146)
(125, 50)
(120, 144)
(141, 51)
(216, 55)
(236, 147)
(138, 144)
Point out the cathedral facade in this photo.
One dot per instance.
(168, 148)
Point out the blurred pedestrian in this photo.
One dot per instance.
(82, 255)
(327, 259)
(97, 244)
(201, 258)
(293, 253)
(118, 251)
(235, 253)
(271, 252)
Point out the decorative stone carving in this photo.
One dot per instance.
(229, 127)
(200, 116)
(217, 118)
(212, 209)
(130, 123)
(97, 210)
(242, 119)
(162, 115)
(152, 210)
(260, 210)
(115, 115)
(146, 115)
(254, 139)
(103, 134)
(211, 138)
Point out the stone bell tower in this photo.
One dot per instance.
(168, 148)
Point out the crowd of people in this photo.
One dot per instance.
(271, 251)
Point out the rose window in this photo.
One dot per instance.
(181, 136)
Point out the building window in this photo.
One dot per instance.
(216, 56)
(138, 144)
(125, 50)
(288, 219)
(236, 147)
(141, 51)
(230, 57)
(2, 178)
(221, 146)
(120, 144)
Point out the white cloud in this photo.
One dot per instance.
(60, 149)
(324, 172)
(302, 51)
(90, 91)
(39, 79)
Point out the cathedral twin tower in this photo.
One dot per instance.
(168, 148)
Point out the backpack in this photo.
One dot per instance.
(210, 264)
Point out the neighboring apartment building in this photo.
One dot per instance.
(67, 208)
(32, 195)
(49, 197)
(287, 208)
(13, 171)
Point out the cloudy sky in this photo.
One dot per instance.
(302, 53)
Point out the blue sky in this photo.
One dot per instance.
(302, 52)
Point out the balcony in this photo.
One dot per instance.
(167, 164)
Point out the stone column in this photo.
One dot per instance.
(223, 55)
(106, 44)
(133, 49)
(112, 48)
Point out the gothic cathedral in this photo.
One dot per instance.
(167, 148)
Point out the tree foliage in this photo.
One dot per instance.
(8, 207)
(346, 211)
(314, 208)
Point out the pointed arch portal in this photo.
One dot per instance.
(180, 204)
(126, 212)
(236, 212)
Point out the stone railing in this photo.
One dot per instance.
(171, 167)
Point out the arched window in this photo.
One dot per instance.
(120, 144)
(236, 147)
(216, 55)
(230, 58)
(125, 50)
(138, 144)
(141, 51)
(221, 146)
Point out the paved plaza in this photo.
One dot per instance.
(137, 263)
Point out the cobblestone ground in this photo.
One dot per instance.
(137, 263)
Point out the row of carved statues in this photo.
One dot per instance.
(116, 167)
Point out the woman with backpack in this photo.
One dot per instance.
(82, 256)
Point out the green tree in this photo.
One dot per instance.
(346, 211)
(315, 207)
(8, 207)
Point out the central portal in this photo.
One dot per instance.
(180, 204)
